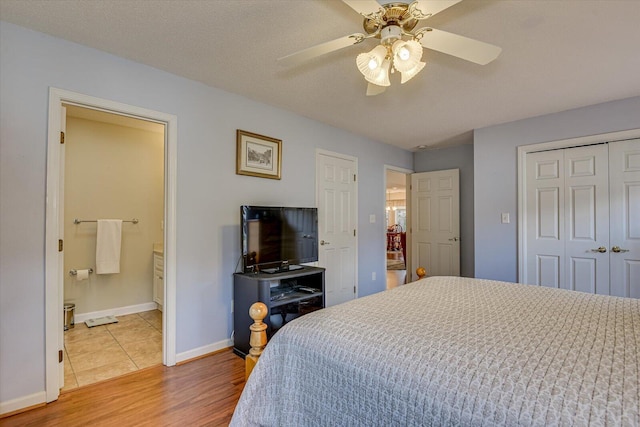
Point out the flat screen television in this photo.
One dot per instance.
(275, 238)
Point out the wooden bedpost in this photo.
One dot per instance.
(258, 338)
(421, 272)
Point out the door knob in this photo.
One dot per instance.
(322, 242)
(617, 249)
(455, 239)
(601, 249)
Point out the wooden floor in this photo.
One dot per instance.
(198, 393)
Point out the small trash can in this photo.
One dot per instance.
(69, 321)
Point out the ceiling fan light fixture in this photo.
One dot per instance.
(392, 23)
(406, 55)
(409, 74)
(369, 63)
(380, 76)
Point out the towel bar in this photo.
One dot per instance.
(78, 221)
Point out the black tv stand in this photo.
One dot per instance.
(287, 295)
(281, 269)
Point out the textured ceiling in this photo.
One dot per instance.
(557, 55)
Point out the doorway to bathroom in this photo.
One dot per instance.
(108, 160)
(113, 168)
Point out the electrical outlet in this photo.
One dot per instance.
(372, 218)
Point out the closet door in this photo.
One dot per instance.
(567, 214)
(545, 218)
(586, 201)
(624, 160)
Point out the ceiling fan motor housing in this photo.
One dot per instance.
(390, 14)
(390, 34)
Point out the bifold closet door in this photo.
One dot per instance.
(624, 165)
(587, 219)
(568, 219)
(544, 213)
(583, 218)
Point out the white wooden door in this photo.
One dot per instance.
(624, 165)
(337, 201)
(568, 219)
(586, 219)
(435, 222)
(583, 218)
(545, 212)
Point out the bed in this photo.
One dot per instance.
(453, 351)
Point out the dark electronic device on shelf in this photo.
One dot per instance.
(275, 239)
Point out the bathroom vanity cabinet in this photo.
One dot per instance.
(158, 278)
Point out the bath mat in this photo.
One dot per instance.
(101, 321)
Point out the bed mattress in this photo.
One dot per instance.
(453, 351)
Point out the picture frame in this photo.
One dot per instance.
(258, 155)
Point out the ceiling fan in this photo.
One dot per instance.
(401, 44)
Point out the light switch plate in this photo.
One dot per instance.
(505, 218)
(372, 218)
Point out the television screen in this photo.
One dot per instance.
(273, 235)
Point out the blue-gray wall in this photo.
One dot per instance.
(495, 161)
(208, 190)
(459, 157)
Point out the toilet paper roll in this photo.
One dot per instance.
(82, 275)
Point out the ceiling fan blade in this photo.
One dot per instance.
(364, 7)
(423, 9)
(321, 49)
(373, 90)
(462, 47)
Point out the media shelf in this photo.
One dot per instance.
(287, 295)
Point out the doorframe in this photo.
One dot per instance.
(321, 152)
(407, 261)
(54, 289)
(522, 152)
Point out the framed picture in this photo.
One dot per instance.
(258, 155)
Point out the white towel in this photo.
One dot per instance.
(108, 239)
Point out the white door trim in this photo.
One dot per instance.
(408, 172)
(552, 145)
(53, 287)
(353, 159)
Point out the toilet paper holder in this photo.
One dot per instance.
(74, 272)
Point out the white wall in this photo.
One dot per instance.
(495, 173)
(112, 171)
(209, 192)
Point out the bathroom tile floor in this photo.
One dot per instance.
(107, 351)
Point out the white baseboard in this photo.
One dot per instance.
(38, 398)
(202, 351)
(23, 402)
(118, 311)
